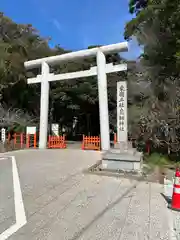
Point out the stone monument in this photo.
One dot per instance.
(123, 156)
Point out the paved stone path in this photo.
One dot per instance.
(63, 203)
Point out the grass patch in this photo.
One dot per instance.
(156, 159)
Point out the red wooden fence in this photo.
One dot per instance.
(91, 143)
(56, 142)
(22, 140)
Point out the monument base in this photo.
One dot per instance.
(126, 159)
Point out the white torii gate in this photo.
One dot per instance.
(101, 70)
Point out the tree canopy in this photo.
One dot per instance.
(156, 26)
(135, 6)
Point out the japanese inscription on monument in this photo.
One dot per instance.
(122, 111)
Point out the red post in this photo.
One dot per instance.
(115, 138)
(83, 143)
(35, 140)
(21, 140)
(148, 147)
(27, 140)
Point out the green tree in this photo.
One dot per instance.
(135, 6)
(156, 27)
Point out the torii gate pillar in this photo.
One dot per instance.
(103, 101)
(44, 107)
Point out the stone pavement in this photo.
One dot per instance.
(63, 203)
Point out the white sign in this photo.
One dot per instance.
(3, 135)
(55, 129)
(30, 130)
(122, 131)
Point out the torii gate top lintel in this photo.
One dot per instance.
(113, 48)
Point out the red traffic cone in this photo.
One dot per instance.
(175, 204)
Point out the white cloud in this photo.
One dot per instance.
(43, 10)
(57, 24)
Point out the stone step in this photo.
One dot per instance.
(123, 145)
(129, 160)
(131, 151)
(131, 155)
(121, 165)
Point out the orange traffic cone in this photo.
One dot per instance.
(175, 204)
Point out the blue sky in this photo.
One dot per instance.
(74, 24)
